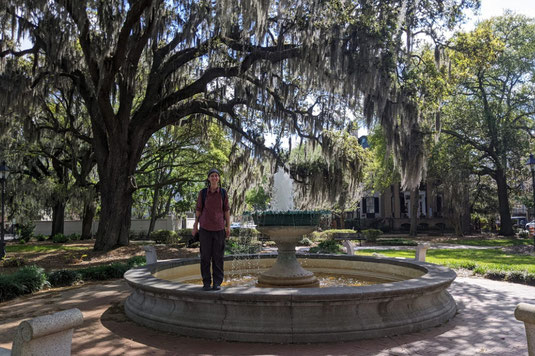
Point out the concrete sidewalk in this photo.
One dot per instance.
(484, 325)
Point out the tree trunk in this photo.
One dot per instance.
(87, 219)
(154, 210)
(116, 164)
(415, 200)
(506, 224)
(58, 218)
(114, 224)
(465, 212)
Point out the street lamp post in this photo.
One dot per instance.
(4, 172)
(531, 163)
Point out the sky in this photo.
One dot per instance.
(491, 8)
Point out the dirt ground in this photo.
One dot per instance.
(86, 257)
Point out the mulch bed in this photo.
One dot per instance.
(86, 257)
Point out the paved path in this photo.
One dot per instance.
(484, 325)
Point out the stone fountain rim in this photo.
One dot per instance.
(435, 277)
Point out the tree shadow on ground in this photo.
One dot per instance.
(484, 324)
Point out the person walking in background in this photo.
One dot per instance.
(213, 215)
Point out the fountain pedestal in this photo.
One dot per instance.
(286, 272)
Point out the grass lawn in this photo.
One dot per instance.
(481, 261)
(492, 242)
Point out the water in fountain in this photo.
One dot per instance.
(282, 199)
(248, 278)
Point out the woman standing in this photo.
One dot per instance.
(213, 214)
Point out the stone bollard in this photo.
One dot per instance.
(421, 250)
(150, 254)
(350, 247)
(47, 335)
(526, 313)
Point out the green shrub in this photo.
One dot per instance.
(269, 243)
(184, 232)
(184, 235)
(32, 277)
(13, 262)
(530, 279)
(385, 228)
(328, 234)
(494, 274)
(516, 277)
(25, 230)
(102, 273)
(523, 234)
(63, 278)
(74, 237)
(133, 235)
(136, 261)
(327, 246)
(250, 231)
(41, 237)
(22, 242)
(27, 279)
(164, 237)
(237, 246)
(396, 242)
(305, 241)
(59, 239)
(244, 231)
(371, 235)
(9, 288)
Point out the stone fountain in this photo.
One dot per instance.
(287, 271)
(286, 227)
(410, 296)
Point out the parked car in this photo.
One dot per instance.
(531, 223)
(519, 221)
(235, 225)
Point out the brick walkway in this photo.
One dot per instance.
(484, 325)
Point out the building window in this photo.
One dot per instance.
(370, 207)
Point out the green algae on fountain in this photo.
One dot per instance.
(288, 218)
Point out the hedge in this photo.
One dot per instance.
(30, 279)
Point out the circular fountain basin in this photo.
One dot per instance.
(413, 297)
